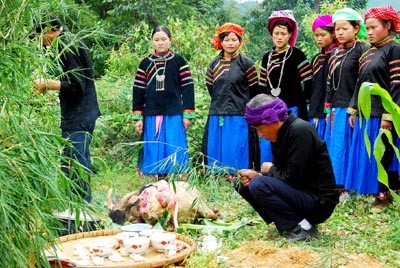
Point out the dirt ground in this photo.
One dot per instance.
(260, 254)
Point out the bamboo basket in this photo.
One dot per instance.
(154, 258)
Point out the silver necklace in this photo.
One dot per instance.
(335, 87)
(276, 91)
(160, 78)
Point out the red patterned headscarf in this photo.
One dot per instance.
(385, 13)
(227, 27)
(285, 15)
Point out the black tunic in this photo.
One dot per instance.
(301, 159)
(77, 95)
(343, 73)
(231, 84)
(380, 64)
(178, 93)
(319, 66)
(296, 71)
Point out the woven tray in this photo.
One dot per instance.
(154, 258)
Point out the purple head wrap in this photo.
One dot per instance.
(267, 113)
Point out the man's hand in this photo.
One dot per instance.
(247, 175)
(40, 85)
(266, 166)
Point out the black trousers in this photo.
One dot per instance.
(277, 201)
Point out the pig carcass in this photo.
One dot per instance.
(183, 203)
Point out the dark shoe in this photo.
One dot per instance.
(299, 234)
(381, 204)
(382, 201)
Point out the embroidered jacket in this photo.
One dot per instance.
(177, 94)
(319, 66)
(231, 84)
(296, 70)
(343, 73)
(380, 64)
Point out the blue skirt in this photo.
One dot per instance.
(362, 175)
(328, 130)
(227, 144)
(339, 144)
(319, 125)
(265, 145)
(165, 151)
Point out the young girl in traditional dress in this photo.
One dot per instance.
(285, 71)
(380, 64)
(163, 106)
(324, 35)
(229, 144)
(343, 74)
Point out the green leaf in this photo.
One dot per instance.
(364, 100)
(379, 150)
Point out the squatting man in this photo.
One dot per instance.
(297, 189)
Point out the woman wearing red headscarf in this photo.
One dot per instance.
(231, 79)
(380, 64)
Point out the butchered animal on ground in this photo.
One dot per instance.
(182, 201)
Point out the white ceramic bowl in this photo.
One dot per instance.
(102, 247)
(161, 240)
(119, 238)
(137, 245)
(150, 232)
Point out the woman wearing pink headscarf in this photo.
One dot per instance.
(324, 35)
(285, 71)
(379, 64)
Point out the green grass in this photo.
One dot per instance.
(354, 227)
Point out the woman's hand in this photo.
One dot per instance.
(186, 123)
(247, 175)
(352, 120)
(139, 126)
(386, 125)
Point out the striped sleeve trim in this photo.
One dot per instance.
(262, 84)
(394, 62)
(185, 76)
(140, 79)
(305, 70)
(251, 75)
(185, 84)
